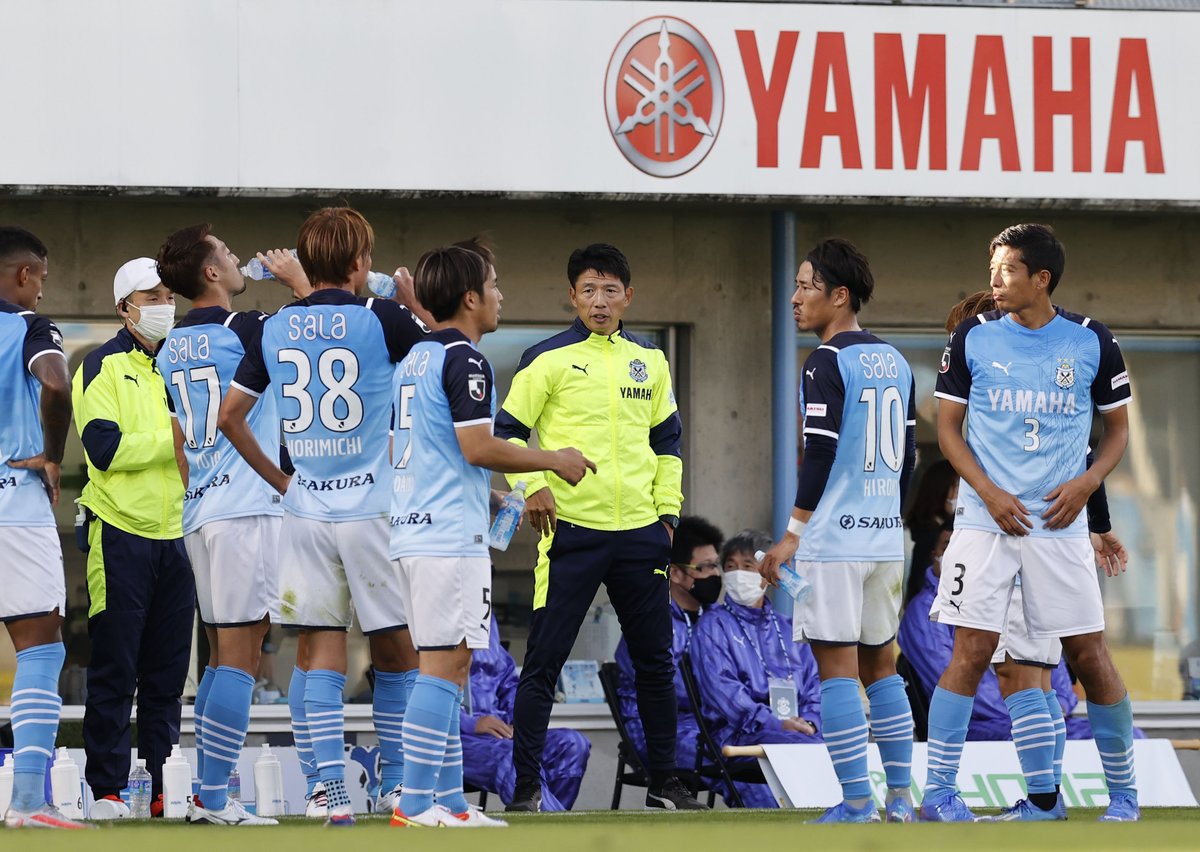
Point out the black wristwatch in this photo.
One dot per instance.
(673, 520)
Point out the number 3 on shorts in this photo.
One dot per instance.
(958, 579)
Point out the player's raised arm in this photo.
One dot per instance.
(232, 421)
(482, 449)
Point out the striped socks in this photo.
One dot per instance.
(304, 754)
(325, 713)
(949, 717)
(1033, 736)
(226, 719)
(35, 712)
(202, 690)
(1060, 734)
(426, 724)
(892, 728)
(450, 778)
(844, 726)
(1112, 726)
(389, 703)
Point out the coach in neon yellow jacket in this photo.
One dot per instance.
(597, 387)
(141, 592)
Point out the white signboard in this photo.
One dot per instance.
(802, 776)
(604, 98)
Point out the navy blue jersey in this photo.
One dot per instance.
(857, 392)
(1030, 394)
(24, 338)
(439, 499)
(329, 359)
(198, 361)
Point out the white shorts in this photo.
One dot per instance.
(852, 603)
(326, 564)
(236, 563)
(31, 571)
(451, 600)
(1016, 642)
(1058, 577)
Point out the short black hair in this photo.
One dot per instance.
(1040, 249)
(693, 532)
(605, 259)
(445, 275)
(15, 240)
(745, 541)
(182, 258)
(838, 263)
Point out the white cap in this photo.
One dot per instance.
(521, 486)
(141, 763)
(141, 273)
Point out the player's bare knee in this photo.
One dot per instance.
(1088, 656)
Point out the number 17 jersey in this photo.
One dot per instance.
(857, 390)
(329, 359)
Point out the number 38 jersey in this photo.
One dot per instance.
(1030, 394)
(857, 391)
(440, 500)
(197, 361)
(329, 359)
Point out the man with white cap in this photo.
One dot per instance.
(140, 586)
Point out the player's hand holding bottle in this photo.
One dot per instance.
(782, 551)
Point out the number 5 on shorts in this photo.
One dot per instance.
(487, 595)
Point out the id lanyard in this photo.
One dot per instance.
(754, 645)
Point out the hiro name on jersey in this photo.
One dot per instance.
(198, 361)
(440, 501)
(856, 397)
(1030, 395)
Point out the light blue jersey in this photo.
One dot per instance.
(1030, 394)
(329, 359)
(439, 499)
(859, 444)
(198, 361)
(24, 338)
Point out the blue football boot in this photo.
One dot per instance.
(1122, 807)
(900, 809)
(946, 809)
(1025, 811)
(844, 812)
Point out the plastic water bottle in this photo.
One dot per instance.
(508, 517)
(790, 580)
(65, 786)
(139, 791)
(6, 784)
(235, 786)
(268, 784)
(177, 784)
(381, 284)
(256, 271)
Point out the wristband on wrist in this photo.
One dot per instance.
(796, 527)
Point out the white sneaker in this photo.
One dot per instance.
(473, 818)
(234, 813)
(106, 809)
(426, 819)
(317, 806)
(385, 803)
(47, 816)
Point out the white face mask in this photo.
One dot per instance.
(155, 322)
(744, 587)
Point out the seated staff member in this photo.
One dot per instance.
(756, 685)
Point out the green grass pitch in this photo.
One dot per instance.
(636, 831)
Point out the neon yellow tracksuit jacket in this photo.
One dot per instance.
(122, 418)
(609, 397)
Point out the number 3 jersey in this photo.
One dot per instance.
(440, 501)
(329, 359)
(856, 397)
(198, 361)
(1030, 395)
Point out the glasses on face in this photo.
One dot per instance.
(703, 566)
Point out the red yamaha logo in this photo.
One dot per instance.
(664, 96)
